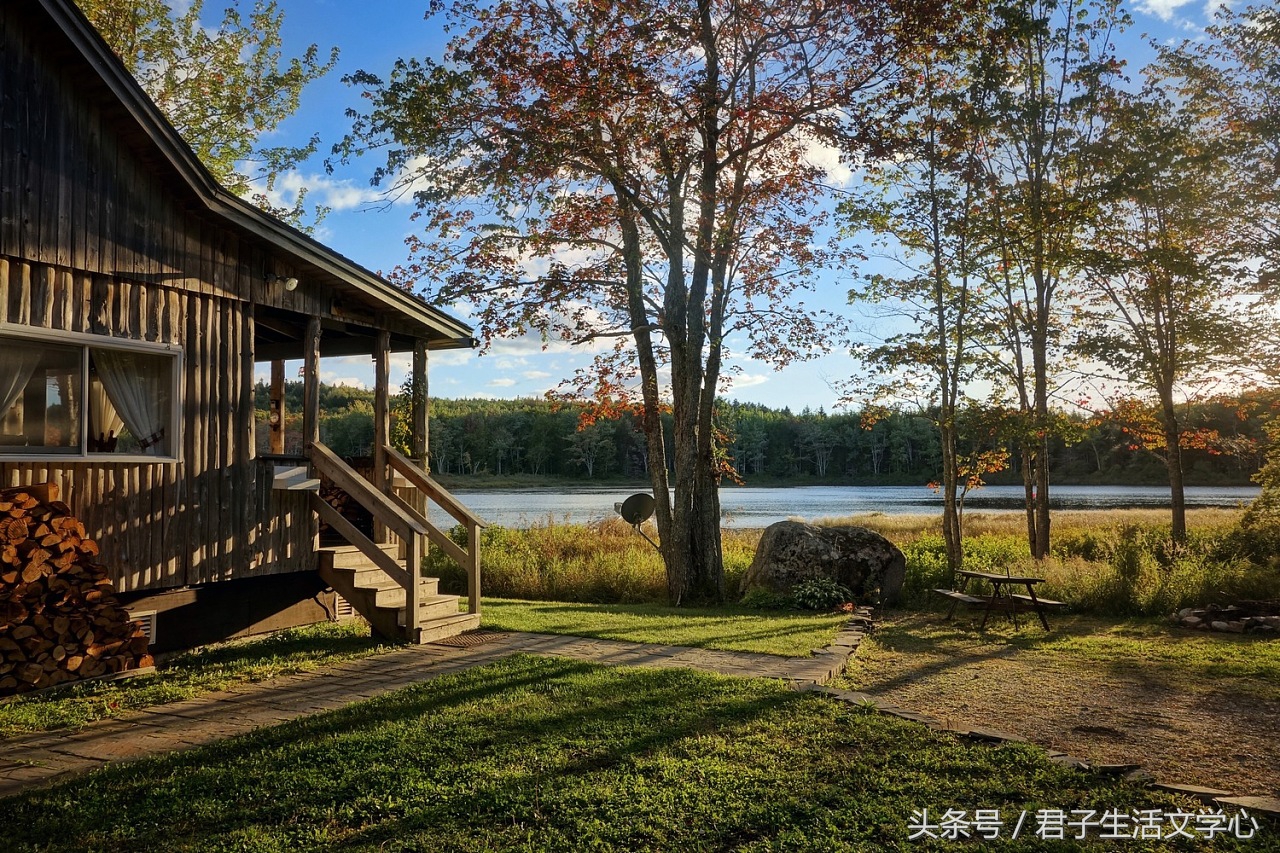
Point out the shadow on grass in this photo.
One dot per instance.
(721, 628)
(550, 754)
(285, 644)
(189, 674)
(452, 733)
(1150, 653)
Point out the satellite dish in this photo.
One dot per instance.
(635, 509)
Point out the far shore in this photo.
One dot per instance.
(493, 482)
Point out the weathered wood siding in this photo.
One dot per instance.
(213, 515)
(98, 236)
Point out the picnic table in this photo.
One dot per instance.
(1003, 596)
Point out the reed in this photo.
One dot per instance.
(1118, 563)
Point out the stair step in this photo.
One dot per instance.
(432, 608)
(351, 557)
(397, 596)
(371, 577)
(449, 626)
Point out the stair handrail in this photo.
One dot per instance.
(421, 480)
(468, 559)
(383, 509)
(380, 506)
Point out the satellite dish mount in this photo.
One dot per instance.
(636, 510)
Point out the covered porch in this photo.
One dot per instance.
(376, 568)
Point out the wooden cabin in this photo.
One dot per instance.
(136, 298)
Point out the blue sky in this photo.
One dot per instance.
(370, 36)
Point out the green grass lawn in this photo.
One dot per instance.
(302, 649)
(191, 674)
(1162, 652)
(735, 629)
(543, 754)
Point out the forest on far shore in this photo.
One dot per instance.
(530, 439)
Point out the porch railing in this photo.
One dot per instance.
(405, 521)
(469, 558)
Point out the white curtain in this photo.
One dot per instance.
(104, 417)
(137, 386)
(17, 363)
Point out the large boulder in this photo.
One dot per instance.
(791, 552)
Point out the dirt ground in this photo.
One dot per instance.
(1150, 696)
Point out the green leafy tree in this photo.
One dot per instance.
(925, 213)
(1165, 300)
(224, 88)
(1058, 59)
(592, 447)
(1228, 83)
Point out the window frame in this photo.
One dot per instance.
(85, 342)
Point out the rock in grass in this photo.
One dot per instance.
(791, 553)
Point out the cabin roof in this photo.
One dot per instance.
(139, 121)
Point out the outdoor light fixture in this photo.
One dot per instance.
(289, 283)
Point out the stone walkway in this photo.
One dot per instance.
(36, 760)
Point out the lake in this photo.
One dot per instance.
(758, 507)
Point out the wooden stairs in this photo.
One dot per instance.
(383, 582)
(381, 599)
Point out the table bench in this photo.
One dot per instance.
(1002, 596)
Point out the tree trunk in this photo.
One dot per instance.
(1173, 461)
(952, 533)
(1040, 367)
(1042, 497)
(1029, 490)
(651, 415)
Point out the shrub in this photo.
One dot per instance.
(820, 594)
(926, 569)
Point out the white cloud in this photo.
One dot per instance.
(355, 371)
(536, 374)
(743, 380)
(450, 358)
(1165, 10)
(500, 383)
(350, 381)
(827, 158)
(322, 189)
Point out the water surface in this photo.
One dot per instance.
(760, 507)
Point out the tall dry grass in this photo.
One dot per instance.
(1118, 563)
(604, 562)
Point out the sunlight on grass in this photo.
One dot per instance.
(551, 755)
(897, 527)
(1153, 648)
(734, 629)
(191, 674)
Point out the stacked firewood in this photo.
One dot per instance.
(59, 617)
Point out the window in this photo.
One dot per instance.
(87, 396)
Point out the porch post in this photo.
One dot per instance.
(311, 408)
(418, 418)
(277, 406)
(381, 421)
(420, 404)
(311, 385)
